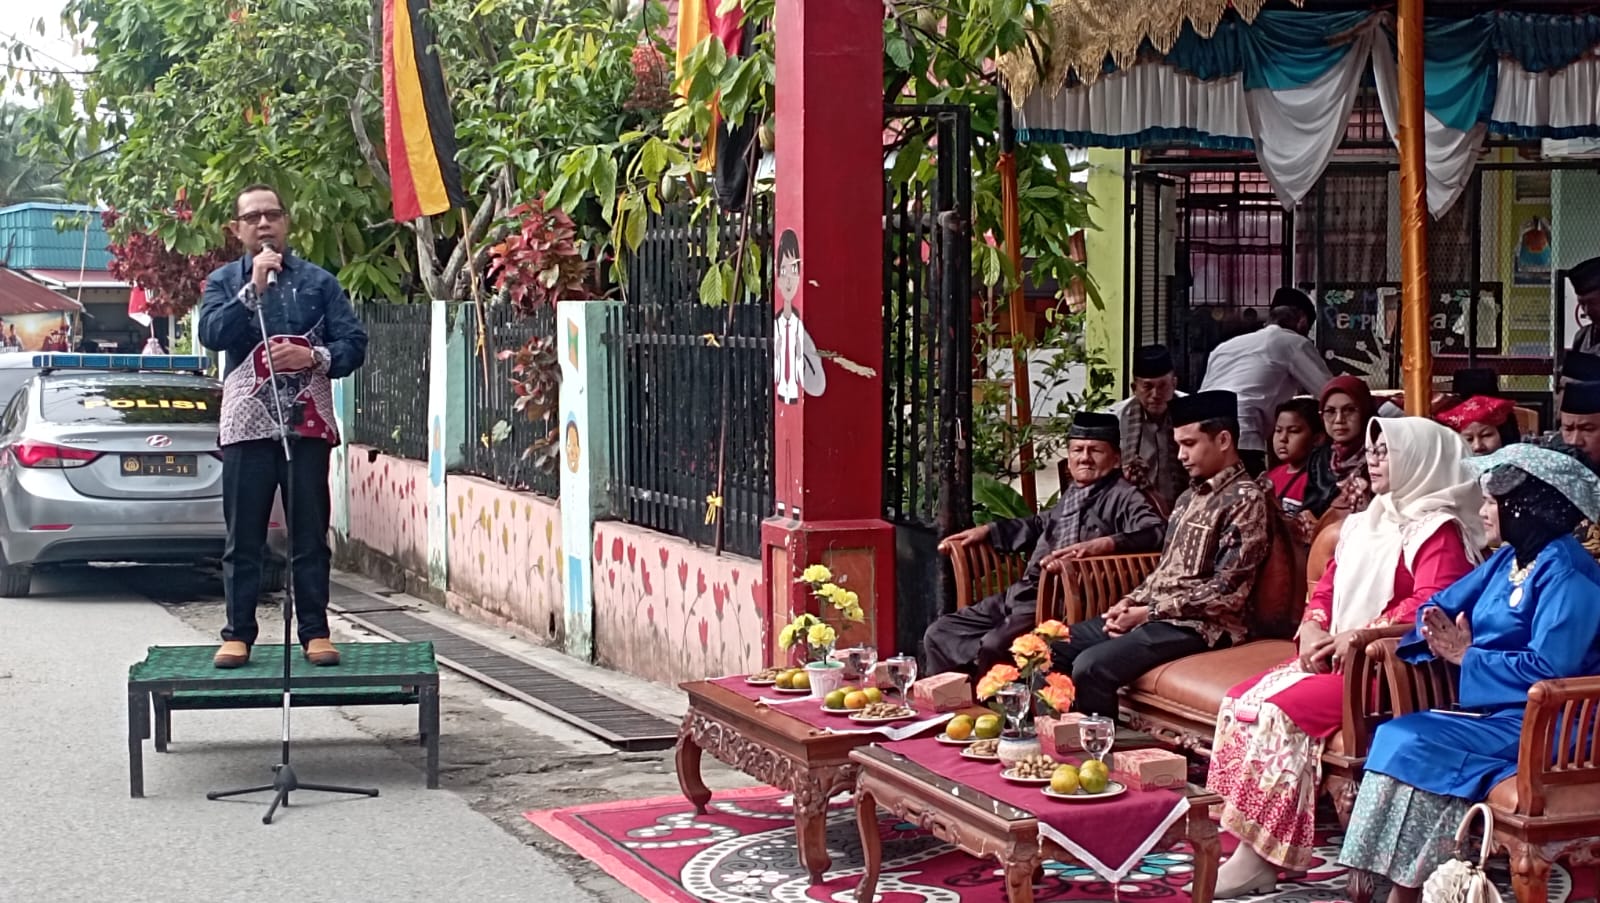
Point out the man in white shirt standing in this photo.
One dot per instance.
(1267, 367)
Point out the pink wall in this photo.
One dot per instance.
(670, 612)
(505, 557)
(389, 507)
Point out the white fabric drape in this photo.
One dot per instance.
(1132, 101)
(1451, 153)
(1563, 98)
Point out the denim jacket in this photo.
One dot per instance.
(308, 307)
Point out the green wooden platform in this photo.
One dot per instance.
(183, 677)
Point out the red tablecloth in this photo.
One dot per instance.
(1109, 836)
(809, 710)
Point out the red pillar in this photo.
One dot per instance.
(829, 430)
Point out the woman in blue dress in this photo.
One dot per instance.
(1527, 614)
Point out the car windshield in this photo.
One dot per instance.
(11, 381)
(94, 401)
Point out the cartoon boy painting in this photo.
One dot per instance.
(796, 365)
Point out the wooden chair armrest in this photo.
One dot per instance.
(982, 570)
(1366, 693)
(1557, 748)
(1090, 586)
(1415, 688)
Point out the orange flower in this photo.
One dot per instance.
(1058, 692)
(1053, 630)
(1030, 650)
(998, 676)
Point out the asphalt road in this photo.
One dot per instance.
(70, 831)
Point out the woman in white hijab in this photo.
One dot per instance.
(1421, 533)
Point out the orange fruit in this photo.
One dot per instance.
(855, 700)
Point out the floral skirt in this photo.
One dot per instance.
(1400, 832)
(1267, 773)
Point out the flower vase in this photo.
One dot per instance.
(825, 677)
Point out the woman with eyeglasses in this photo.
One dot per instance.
(1527, 614)
(1420, 534)
(1337, 474)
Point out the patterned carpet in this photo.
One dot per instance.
(743, 850)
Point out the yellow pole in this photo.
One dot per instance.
(1011, 225)
(1416, 357)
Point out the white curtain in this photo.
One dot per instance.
(1452, 154)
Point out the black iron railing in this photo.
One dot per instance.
(391, 403)
(497, 437)
(693, 415)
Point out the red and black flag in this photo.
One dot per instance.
(417, 125)
(725, 153)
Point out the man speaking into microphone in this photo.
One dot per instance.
(313, 337)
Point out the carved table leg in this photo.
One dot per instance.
(871, 845)
(1019, 878)
(1202, 835)
(1530, 873)
(811, 826)
(688, 761)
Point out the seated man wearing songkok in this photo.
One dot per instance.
(1099, 513)
(1196, 599)
(1149, 454)
(1580, 428)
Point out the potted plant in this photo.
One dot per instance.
(1011, 690)
(816, 637)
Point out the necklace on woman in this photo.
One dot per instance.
(1519, 575)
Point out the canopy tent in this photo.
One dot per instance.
(1282, 83)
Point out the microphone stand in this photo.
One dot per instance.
(284, 780)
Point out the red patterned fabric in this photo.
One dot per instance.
(249, 412)
(1478, 409)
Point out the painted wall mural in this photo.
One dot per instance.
(670, 612)
(505, 555)
(388, 509)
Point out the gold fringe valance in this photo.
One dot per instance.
(1080, 34)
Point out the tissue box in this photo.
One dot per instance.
(943, 692)
(1150, 769)
(1058, 734)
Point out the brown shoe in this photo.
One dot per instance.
(321, 652)
(232, 654)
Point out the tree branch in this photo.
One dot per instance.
(479, 226)
(357, 123)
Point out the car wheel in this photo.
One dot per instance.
(15, 581)
(274, 577)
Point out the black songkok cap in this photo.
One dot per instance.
(1293, 297)
(1476, 381)
(1152, 361)
(1212, 405)
(1586, 276)
(1581, 366)
(1581, 398)
(1090, 425)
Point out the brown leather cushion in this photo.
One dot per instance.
(1323, 546)
(1279, 598)
(1580, 799)
(1198, 683)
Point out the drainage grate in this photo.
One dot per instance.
(612, 720)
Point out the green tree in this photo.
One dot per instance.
(22, 178)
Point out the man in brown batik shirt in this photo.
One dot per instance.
(1196, 598)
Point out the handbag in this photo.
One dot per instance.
(1462, 880)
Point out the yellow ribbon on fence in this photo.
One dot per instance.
(713, 506)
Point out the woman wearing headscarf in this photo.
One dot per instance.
(1527, 614)
(1337, 471)
(1421, 534)
(1487, 424)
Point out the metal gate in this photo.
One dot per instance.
(927, 354)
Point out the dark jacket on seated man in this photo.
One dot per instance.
(1197, 597)
(1109, 507)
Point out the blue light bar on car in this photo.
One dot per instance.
(130, 362)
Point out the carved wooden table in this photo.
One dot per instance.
(773, 748)
(985, 827)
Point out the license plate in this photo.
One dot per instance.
(160, 465)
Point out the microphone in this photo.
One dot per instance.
(272, 275)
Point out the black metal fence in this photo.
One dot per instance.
(497, 437)
(693, 419)
(391, 403)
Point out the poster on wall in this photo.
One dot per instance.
(1533, 258)
(35, 332)
(1358, 326)
(1450, 319)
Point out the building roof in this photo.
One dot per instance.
(52, 236)
(21, 295)
(91, 278)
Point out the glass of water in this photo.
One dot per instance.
(1095, 734)
(1013, 698)
(903, 673)
(858, 661)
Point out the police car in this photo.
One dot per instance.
(111, 457)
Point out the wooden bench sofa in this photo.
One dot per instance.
(1178, 702)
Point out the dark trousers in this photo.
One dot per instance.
(1101, 664)
(252, 474)
(974, 638)
(1255, 462)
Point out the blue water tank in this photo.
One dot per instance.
(37, 236)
